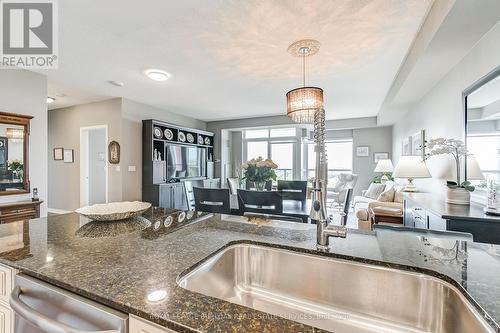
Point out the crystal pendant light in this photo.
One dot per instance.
(302, 103)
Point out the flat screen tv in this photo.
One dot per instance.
(185, 161)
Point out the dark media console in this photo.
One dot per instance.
(174, 159)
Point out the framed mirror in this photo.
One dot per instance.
(14, 153)
(482, 131)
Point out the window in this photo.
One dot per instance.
(256, 149)
(282, 155)
(282, 132)
(257, 134)
(275, 143)
(339, 154)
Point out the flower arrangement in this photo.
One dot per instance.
(16, 167)
(259, 171)
(458, 150)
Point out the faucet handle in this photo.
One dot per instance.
(336, 231)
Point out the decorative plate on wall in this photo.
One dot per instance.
(168, 134)
(181, 217)
(157, 133)
(200, 140)
(207, 140)
(182, 137)
(190, 138)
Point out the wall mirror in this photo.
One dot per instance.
(482, 117)
(14, 153)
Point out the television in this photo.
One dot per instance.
(185, 161)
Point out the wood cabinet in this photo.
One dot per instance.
(139, 325)
(6, 285)
(19, 210)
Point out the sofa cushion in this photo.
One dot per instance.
(374, 190)
(387, 195)
(398, 196)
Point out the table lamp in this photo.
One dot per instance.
(384, 166)
(411, 167)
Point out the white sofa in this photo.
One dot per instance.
(363, 205)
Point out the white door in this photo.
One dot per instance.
(93, 165)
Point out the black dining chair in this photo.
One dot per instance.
(346, 204)
(293, 189)
(266, 203)
(212, 200)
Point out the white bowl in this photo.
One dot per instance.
(114, 211)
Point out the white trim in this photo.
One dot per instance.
(58, 211)
(84, 157)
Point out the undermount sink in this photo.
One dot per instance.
(333, 294)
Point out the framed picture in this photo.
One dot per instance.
(114, 152)
(58, 154)
(69, 156)
(406, 146)
(380, 156)
(362, 151)
(417, 144)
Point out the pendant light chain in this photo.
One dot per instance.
(303, 69)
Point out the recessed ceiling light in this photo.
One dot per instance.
(50, 100)
(157, 295)
(61, 95)
(157, 74)
(116, 83)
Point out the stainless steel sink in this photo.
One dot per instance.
(332, 294)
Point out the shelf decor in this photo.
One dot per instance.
(114, 152)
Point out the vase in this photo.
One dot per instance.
(458, 196)
(259, 186)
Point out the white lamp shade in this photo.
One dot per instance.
(384, 166)
(411, 167)
(473, 170)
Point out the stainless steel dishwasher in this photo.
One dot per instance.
(41, 307)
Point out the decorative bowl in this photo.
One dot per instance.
(114, 211)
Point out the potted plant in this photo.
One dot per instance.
(458, 191)
(259, 171)
(16, 167)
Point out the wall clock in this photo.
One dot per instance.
(114, 152)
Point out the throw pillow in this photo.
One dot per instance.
(374, 190)
(387, 195)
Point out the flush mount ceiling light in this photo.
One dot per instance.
(157, 74)
(302, 103)
(50, 100)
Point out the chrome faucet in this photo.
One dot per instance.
(324, 230)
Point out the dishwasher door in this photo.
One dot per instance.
(40, 307)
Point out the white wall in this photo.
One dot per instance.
(440, 112)
(25, 92)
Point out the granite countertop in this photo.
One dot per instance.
(438, 206)
(120, 263)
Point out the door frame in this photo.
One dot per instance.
(84, 153)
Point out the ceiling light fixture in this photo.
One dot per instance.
(116, 83)
(302, 103)
(50, 100)
(157, 74)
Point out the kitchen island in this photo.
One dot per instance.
(121, 264)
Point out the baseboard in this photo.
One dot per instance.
(58, 211)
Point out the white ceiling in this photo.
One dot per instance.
(228, 59)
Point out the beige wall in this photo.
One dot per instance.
(124, 120)
(64, 131)
(25, 92)
(440, 112)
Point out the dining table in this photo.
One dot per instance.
(291, 208)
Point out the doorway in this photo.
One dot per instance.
(93, 165)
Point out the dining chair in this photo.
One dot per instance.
(293, 189)
(212, 200)
(265, 203)
(234, 184)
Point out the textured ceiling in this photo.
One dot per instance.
(228, 59)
